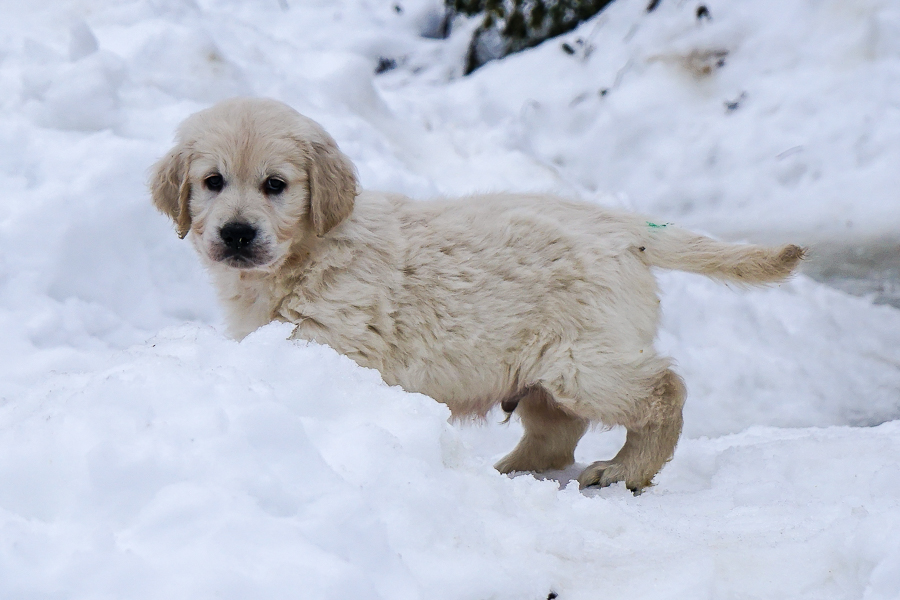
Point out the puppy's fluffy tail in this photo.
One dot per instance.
(670, 247)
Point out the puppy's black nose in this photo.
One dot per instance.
(237, 236)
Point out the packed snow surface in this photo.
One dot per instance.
(143, 454)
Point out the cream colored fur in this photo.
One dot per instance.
(546, 303)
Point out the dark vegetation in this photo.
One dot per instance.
(512, 25)
(508, 26)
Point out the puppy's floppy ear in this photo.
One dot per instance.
(332, 185)
(170, 188)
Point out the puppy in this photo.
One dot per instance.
(545, 305)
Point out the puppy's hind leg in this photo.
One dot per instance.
(653, 431)
(551, 435)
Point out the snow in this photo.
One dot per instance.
(145, 455)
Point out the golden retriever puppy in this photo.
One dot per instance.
(545, 305)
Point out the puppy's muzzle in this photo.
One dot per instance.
(237, 237)
(238, 245)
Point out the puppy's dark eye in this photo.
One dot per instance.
(214, 183)
(273, 186)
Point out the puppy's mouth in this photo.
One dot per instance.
(244, 260)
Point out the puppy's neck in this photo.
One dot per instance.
(251, 297)
(246, 297)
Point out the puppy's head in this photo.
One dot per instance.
(249, 178)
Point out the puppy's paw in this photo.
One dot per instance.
(517, 461)
(510, 464)
(601, 473)
(607, 472)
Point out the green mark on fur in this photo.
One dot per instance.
(655, 226)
